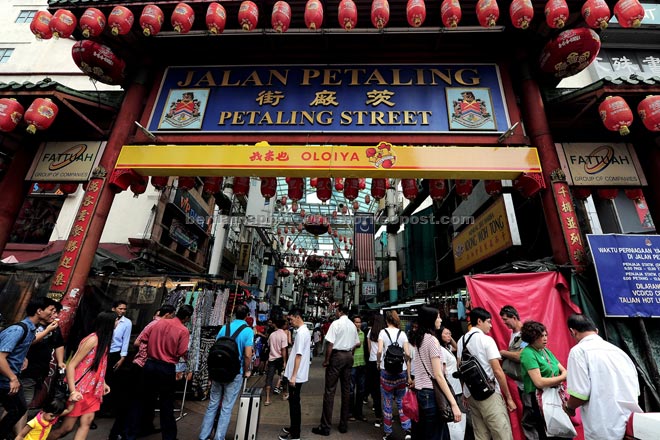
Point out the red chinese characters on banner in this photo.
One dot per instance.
(268, 156)
(569, 225)
(71, 250)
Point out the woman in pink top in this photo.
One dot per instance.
(85, 374)
(427, 364)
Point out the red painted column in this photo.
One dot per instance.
(71, 274)
(538, 131)
(14, 189)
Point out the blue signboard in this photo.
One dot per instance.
(438, 98)
(628, 269)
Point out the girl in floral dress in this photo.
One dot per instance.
(85, 374)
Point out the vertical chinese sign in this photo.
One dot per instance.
(569, 225)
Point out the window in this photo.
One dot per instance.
(25, 16)
(5, 54)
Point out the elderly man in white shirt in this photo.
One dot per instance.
(342, 338)
(602, 380)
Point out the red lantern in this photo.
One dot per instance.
(380, 13)
(581, 193)
(40, 115)
(248, 15)
(367, 199)
(451, 13)
(216, 18)
(356, 205)
(120, 20)
(493, 187)
(362, 183)
(268, 187)
(607, 193)
(294, 206)
(182, 18)
(11, 113)
(138, 186)
(570, 52)
(296, 188)
(302, 213)
(92, 22)
(416, 12)
(629, 13)
(323, 189)
(634, 194)
(351, 188)
(341, 276)
(283, 272)
(98, 62)
(438, 189)
(312, 182)
(46, 186)
(313, 14)
(616, 114)
(283, 200)
(212, 185)
(596, 13)
(159, 182)
(63, 23)
(281, 16)
(463, 188)
(40, 25)
(316, 224)
(151, 20)
(410, 190)
(487, 12)
(556, 13)
(529, 184)
(649, 111)
(339, 184)
(378, 188)
(122, 178)
(186, 182)
(521, 12)
(344, 209)
(68, 188)
(241, 186)
(347, 14)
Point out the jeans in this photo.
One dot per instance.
(429, 427)
(227, 393)
(15, 407)
(358, 377)
(295, 410)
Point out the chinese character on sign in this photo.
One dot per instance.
(575, 238)
(256, 156)
(66, 262)
(71, 246)
(88, 200)
(59, 279)
(652, 63)
(566, 207)
(571, 223)
(283, 156)
(380, 97)
(624, 65)
(269, 98)
(325, 97)
(76, 230)
(93, 186)
(269, 156)
(82, 215)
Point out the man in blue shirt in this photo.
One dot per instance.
(117, 353)
(15, 341)
(228, 392)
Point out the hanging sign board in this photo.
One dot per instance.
(600, 164)
(307, 99)
(628, 270)
(65, 161)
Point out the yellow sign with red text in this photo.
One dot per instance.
(381, 160)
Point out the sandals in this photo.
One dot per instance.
(267, 403)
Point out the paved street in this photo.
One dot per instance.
(273, 417)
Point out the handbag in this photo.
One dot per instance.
(410, 406)
(557, 422)
(443, 407)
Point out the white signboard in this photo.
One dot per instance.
(65, 161)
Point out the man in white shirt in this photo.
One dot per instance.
(602, 380)
(489, 417)
(297, 373)
(342, 338)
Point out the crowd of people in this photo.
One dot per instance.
(376, 359)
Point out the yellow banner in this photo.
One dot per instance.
(382, 160)
(488, 235)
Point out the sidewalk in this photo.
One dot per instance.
(275, 416)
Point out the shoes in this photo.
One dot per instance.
(352, 419)
(408, 435)
(267, 403)
(343, 429)
(277, 390)
(378, 423)
(388, 436)
(287, 437)
(285, 396)
(286, 430)
(93, 426)
(319, 430)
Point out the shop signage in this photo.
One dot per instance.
(243, 261)
(379, 160)
(180, 233)
(192, 209)
(341, 98)
(369, 290)
(65, 161)
(600, 164)
(569, 224)
(618, 63)
(492, 232)
(628, 271)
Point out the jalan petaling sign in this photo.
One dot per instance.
(357, 98)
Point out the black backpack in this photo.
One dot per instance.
(22, 325)
(473, 375)
(224, 359)
(394, 355)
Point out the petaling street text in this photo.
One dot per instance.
(382, 76)
(326, 117)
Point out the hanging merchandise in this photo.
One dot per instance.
(596, 14)
(451, 13)
(63, 23)
(92, 22)
(281, 16)
(416, 12)
(556, 13)
(649, 111)
(380, 13)
(616, 114)
(151, 20)
(522, 13)
(347, 14)
(629, 13)
(487, 13)
(248, 15)
(216, 18)
(11, 113)
(313, 15)
(120, 20)
(40, 25)
(182, 18)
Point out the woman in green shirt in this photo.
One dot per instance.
(540, 368)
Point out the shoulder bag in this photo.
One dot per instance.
(443, 406)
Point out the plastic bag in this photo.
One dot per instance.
(457, 430)
(410, 407)
(557, 422)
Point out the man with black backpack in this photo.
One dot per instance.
(484, 381)
(15, 341)
(228, 363)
